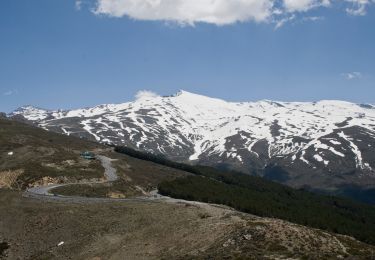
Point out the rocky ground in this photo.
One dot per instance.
(34, 229)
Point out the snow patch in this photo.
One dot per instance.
(89, 129)
(335, 142)
(302, 158)
(358, 155)
(320, 159)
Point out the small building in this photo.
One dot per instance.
(88, 155)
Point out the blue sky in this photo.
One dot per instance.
(68, 54)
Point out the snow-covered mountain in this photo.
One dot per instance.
(321, 144)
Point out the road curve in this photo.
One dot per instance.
(43, 192)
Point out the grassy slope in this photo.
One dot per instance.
(38, 154)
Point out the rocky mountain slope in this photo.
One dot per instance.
(323, 145)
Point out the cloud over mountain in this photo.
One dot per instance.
(145, 94)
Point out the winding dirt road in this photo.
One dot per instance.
(44, 192)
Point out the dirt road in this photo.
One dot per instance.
(44, 192)
(109, 171)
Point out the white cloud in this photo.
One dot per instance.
(352, 75)
(145, 94)
(280, 23)
(313, 18)
(10, 92)
(78, 4)
(304, 5)
(358, 7)
(293, 19)
(221, 12)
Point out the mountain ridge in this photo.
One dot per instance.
(183, 92)
(322, 145)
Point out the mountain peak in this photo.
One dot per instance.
(182, 92)
(30, 109)
(31, 112)
(190, 97)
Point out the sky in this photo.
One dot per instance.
(71, 54)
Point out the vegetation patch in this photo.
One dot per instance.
(256, 196)
(3, 247)
(159, 159)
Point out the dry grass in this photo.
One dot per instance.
(8, 179)
(158, 230)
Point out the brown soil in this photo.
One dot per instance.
(157, 230)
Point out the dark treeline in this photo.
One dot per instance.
(160, 159)
(265, 198)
